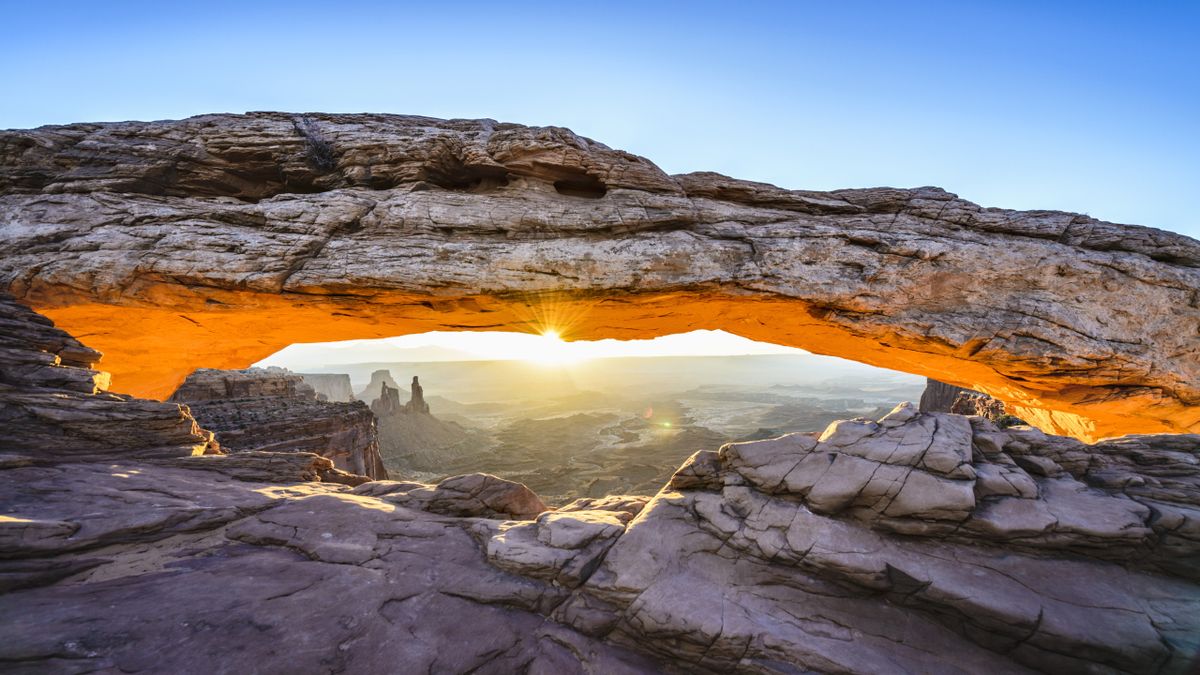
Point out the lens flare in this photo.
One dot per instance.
(551, 349)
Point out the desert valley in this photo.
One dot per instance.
(611, 426)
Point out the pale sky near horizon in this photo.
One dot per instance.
(546, 349)
(1091, 107)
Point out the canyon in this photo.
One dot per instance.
(131, 539)
(272, 410)
(610, 426)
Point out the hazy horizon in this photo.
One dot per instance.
(545, 349)
(484, 366)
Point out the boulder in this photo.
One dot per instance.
(469, 495)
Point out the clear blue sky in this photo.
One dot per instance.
(1088, 106)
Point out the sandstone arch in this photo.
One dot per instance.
(217, 240)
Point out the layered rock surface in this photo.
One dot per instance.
(274, 410)
(929, 543)
(1013, 555)
(55, 403)
(241, 234)
(140, 568)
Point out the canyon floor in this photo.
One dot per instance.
(612, 426)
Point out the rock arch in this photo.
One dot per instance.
(217, 240)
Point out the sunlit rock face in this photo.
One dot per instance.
(921, 542)
(236, 235)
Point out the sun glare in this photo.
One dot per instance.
(551, 349)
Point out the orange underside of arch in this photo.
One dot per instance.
(150, 350)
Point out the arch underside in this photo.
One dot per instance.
(149, 351)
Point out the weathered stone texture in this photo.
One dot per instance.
(54, 404)
(785, 551)
(918, 542)
(275, 410)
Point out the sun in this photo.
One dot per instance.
(551, 349)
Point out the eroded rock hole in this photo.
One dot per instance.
(452, 173)
(581, 186)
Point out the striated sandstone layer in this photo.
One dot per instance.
(275, 410)
(237, 235)
(55, 403)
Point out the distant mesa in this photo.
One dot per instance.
(374, 389)
(335, 387)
